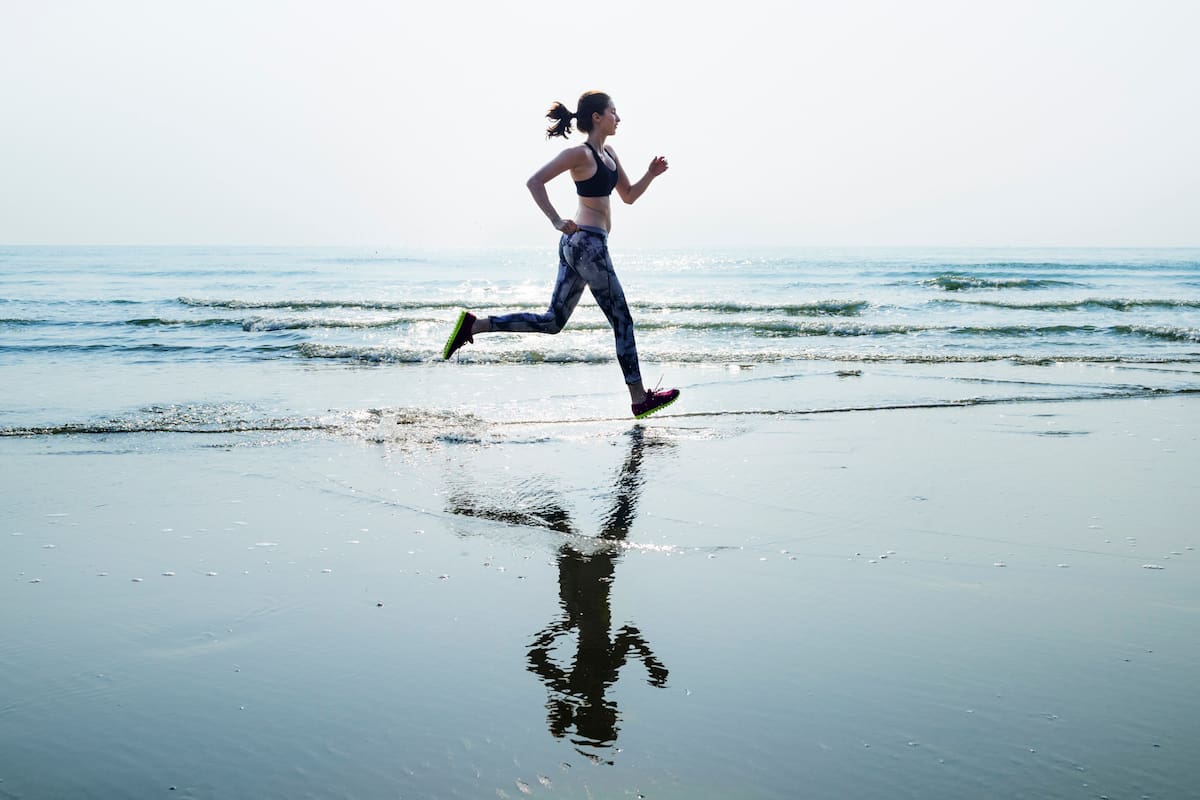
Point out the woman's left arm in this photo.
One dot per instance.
(632, 191)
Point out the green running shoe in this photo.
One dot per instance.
(461, 334)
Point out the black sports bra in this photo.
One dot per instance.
(601, 183)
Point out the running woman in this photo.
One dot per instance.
(583, 258)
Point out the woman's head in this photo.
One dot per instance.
(589, 103)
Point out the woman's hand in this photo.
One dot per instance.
(567, 226)
(658, 166)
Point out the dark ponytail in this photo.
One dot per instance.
(562, 120)
(589, 103)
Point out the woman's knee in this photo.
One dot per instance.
(555, 322)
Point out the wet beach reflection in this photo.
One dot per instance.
(577, 683)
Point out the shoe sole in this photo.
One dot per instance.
(446, 352)
(656, 409)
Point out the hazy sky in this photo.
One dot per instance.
(417, 122)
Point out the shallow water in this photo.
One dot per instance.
(177, 338)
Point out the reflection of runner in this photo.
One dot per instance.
(577, 696)
(583, 259)
(578, 692)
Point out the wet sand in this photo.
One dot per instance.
(993, 600)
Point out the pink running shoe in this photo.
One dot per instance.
(461, 334)
(655, 401)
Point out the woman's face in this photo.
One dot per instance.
(607, 122)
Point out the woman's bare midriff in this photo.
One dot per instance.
(594, 211)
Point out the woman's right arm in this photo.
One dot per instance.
(537, 187)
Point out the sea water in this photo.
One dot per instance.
(237, 338)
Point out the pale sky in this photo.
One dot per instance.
(416, 123)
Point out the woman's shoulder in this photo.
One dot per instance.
(577, 154)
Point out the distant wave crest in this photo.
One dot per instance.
(1167, 333)
(958, 282)
(1089, 304)
(314, 305)
(816, 309)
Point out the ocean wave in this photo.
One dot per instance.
(830, 308)
(1019, 359)
(767, 328)
(784, 329)
(256, 350)
(199, 418)
(140, 322)
(958, 282)
(275, 324)
(295, 324)
(56, 302)
(316, 305)
(817, 309)
(402, 355)
(292, 336)
(151, 322)
(1104, 261)
(709, 356)
(370, 355)
(1165, 332)
(404, 426)
(1089, 304)
(428, 427)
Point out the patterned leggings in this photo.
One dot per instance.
(583, 260)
